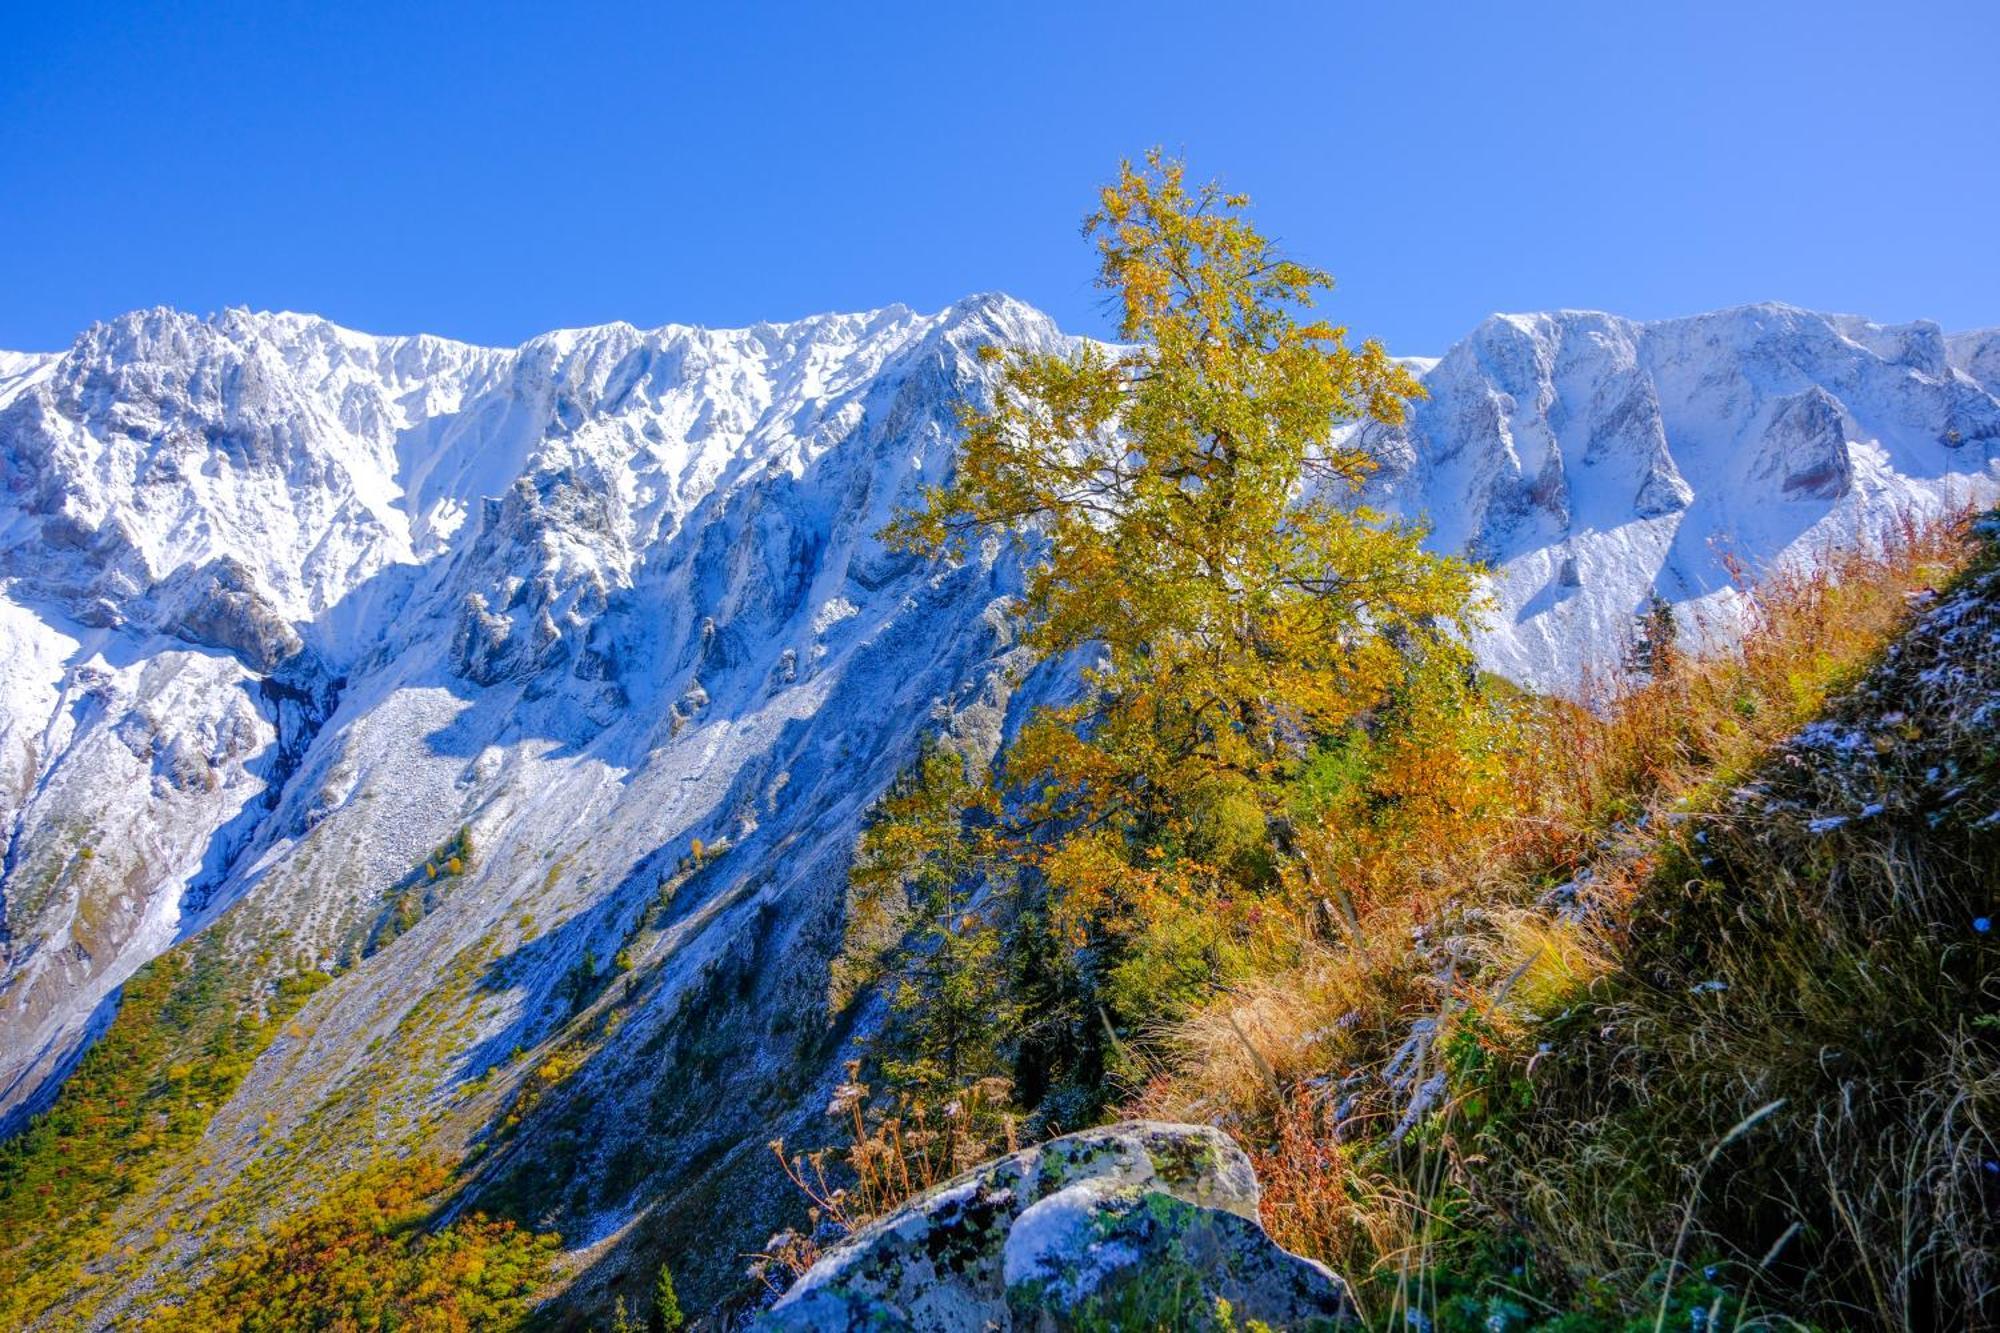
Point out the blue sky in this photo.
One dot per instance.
(490, 171)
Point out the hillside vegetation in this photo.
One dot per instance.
(1702, 1020)
(1678, 1005)
(102, 1190)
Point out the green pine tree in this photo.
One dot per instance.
(912, 891)
(1653, 648)
(667, 1316)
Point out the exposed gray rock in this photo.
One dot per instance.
(1805, 447)
(220, 605)
(1141, 1224)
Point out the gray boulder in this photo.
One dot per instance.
(1136, 1225)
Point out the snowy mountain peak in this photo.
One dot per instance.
(315, 457)
(1976, 355)
(1589, 459)
(254, 539)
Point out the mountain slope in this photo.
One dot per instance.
(222, 527)
(427, 665)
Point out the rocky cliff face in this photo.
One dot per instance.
(273, 587)
(1590, 460)
(284, 608)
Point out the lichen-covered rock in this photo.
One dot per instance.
(1141, 1224)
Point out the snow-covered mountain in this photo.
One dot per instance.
(284, 607)
(1588, 460)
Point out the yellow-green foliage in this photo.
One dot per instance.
(551, 1073)
(911, 888)
(1194, 501)
(366, 1256)
(189, 1025)
(419, 892)
(667, 1316)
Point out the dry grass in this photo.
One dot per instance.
(1537, 1019)
(897, 1148)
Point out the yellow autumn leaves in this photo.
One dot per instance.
(1190, 505)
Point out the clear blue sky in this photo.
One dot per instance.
(489, 171)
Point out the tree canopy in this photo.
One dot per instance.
(1189, 499)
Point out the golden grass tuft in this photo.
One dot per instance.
(1585, 1003)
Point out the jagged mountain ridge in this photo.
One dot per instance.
(286, 606)
(1589, 460)
(294, 515)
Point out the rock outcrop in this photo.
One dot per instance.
(1142, 1225)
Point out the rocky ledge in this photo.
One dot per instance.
(1136, 1225)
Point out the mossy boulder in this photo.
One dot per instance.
(1138, 1221)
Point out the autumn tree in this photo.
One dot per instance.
(1189, 499)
